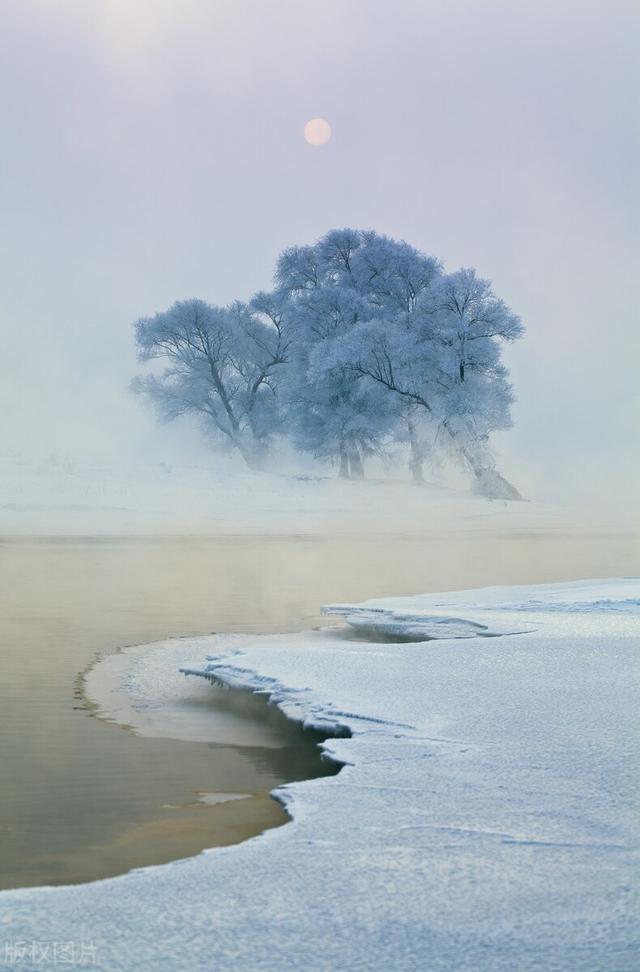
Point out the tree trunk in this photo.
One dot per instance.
(416, 469)
(489, 483)
(487, 480)
(253, 452)
(417, 455)
(344, 464)
(356, 467)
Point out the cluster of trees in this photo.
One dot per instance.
(363, 343)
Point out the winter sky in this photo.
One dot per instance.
(154, 149)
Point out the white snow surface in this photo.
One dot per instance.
(485, 818)
(61, 496)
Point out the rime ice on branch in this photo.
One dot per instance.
(363, 343)
(221, 366)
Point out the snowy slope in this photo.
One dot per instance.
(63, 496)
(485, 820)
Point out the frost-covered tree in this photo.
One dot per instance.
(442, 361)
(472, 324)
(364, 342)
(347, 283)
(221, 365)
(471, 319)
(370, 312)
(330, 413)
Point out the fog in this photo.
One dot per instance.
(153, 150)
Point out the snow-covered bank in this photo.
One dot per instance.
(64, 497)
(484, 820)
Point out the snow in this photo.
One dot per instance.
(391, 623)
(485, 817)
(64, 496)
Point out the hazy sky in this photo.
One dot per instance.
(153, 150)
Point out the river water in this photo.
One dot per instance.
(83, 798)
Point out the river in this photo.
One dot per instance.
(83, 798)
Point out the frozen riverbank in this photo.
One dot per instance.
(63, 498)
(484, 820)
